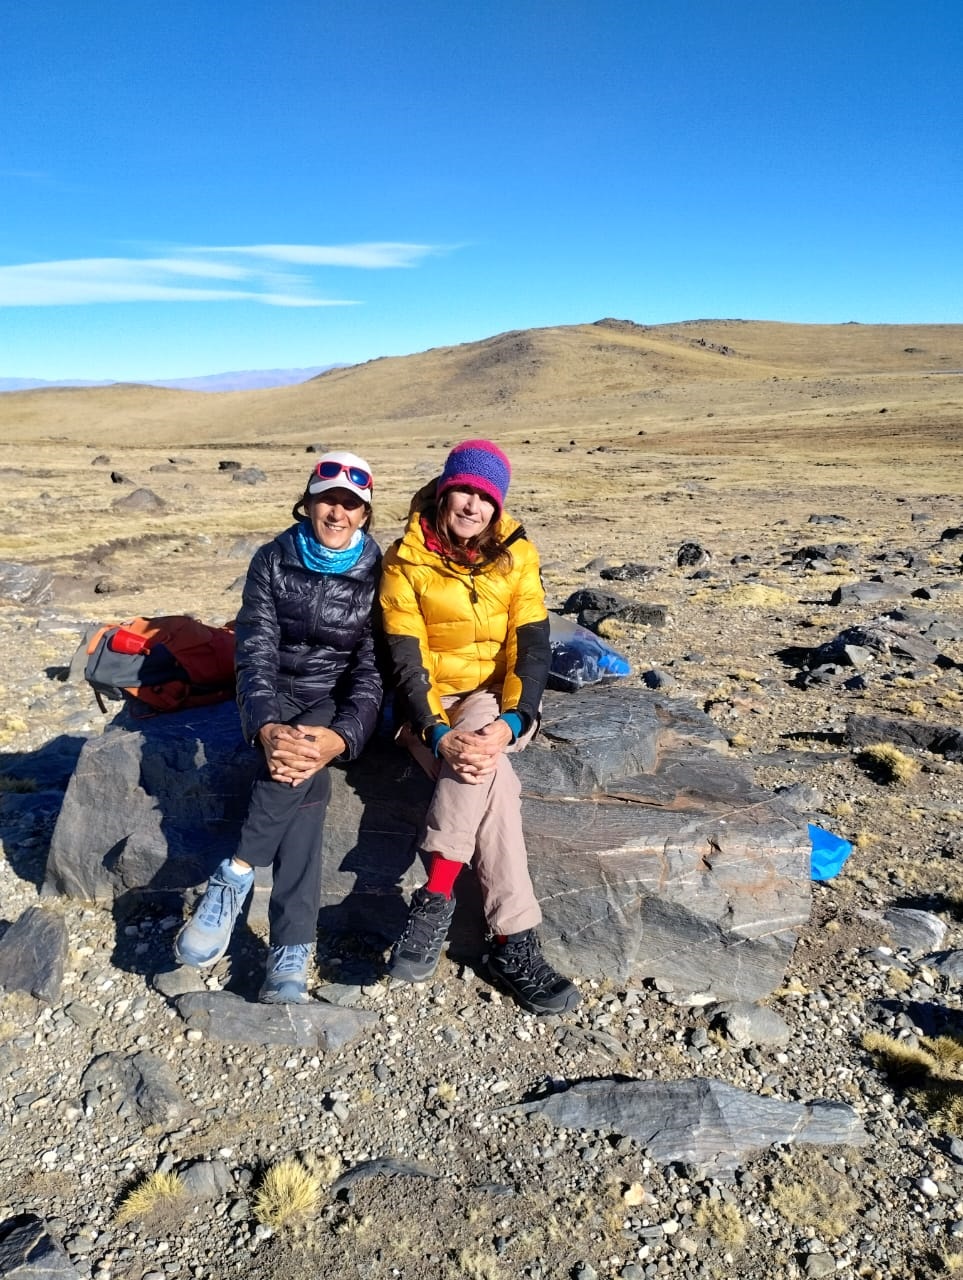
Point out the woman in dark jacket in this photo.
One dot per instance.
(309, 692)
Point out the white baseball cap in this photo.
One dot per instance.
(341, 470)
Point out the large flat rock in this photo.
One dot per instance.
(654, 854)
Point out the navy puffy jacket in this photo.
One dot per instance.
(311, 635)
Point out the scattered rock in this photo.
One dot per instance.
(382, 1167)
(139, 500)
(753, 1024)
(221, 1015)
(25, 583)
(227, 465)
(914, 931)
(702, 1122)
(206, 1180)
(692, 555)
(629, 573)
(28, 1251)
(858, 593)
(32, 954)
(250, 475)
(941, 740)
(142, 1080)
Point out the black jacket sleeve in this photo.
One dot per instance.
(257, 639)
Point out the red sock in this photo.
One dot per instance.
(442, 874)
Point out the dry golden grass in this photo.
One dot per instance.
(812, 1194)
(288, 1192)
(160, 1197)
(887, 763)
(930, 1072)
(723, 1222)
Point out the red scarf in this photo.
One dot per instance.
(433, 544)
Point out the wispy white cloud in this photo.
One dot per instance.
(238, 273)
(374, 256)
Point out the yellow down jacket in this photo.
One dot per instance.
(452, 629)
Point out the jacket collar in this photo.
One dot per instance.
(367, 562)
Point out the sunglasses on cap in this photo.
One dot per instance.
(360, 478)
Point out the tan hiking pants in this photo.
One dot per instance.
(481, 823)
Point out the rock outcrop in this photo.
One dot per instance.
(654, 855)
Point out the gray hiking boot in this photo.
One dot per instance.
(415, 956)
(286, 981)
(518, 965)
(205, 937)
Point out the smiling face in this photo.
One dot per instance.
(335, 516)
(466, 513)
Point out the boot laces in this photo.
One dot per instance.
(525, 956)
(290, 959)
(425, 922)
(220, 900)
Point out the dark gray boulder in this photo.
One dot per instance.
(381, 1167)
(652, 853)
(942, 740)
(28, 1251)
(707, 1124)
(139, 500)
(872, 592)
(221, 1015)
(32, 954)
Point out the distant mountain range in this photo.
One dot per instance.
(243, 380)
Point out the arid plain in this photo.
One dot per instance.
(626, 441)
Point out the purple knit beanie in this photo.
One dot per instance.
(477, 464)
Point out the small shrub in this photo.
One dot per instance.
(887, 763)
(157, 1195)
(816, 1196)
(722, 1221)
(930, 1072)
(288, 1191)
(899, 979)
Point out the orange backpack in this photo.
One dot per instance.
(165, 664)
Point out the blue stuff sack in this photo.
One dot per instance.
(829, 853)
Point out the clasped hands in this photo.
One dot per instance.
(294, 753)
(473, 755)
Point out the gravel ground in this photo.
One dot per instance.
(501, 1195)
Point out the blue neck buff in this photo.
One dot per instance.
(319, 559)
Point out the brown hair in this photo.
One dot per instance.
(300, 509)
(485, 549)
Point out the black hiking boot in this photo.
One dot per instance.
(415, 956)
(518, 965)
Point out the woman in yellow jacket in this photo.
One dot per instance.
(467, 631)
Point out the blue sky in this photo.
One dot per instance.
(198, 186)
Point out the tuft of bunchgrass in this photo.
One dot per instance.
(157, 1194)
(931, 1073)
(287, 1192)
(723, 1222)
(812, 1194)
(887, 763)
